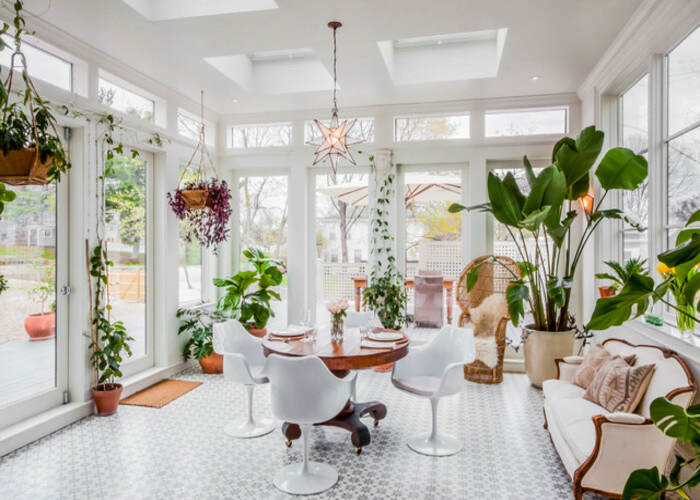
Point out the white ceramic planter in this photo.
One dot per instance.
(540, 351)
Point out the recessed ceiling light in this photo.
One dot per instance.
(234, 100)
(535, 77)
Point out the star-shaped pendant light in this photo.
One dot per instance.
(334, 140)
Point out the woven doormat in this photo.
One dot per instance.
(160, 394)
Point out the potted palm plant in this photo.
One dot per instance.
(621, 274)
(248, 293)
(109, 340)
(199, 324)
(42, 325)
(540, 225)
(30, 147)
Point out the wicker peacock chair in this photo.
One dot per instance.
(493, 278)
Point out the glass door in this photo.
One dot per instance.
(128, 224)
(33, 330)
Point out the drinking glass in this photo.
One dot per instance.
(305, 323)
(364, 331)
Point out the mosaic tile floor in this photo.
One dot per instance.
(181, 451)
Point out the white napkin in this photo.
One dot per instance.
(291, 329)
(280, 346)
(377, 345)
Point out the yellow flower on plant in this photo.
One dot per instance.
(663, 269)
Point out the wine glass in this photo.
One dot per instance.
(305, 323)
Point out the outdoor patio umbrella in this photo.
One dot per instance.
(419, 188)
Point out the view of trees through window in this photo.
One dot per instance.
(526, 122)
(264, 135)
(635, 135)
(431, 128)
(683, 148)
(28, 263)
(125, 101)
(125, 231)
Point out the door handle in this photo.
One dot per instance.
(65, 290)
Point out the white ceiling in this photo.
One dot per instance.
(560, 40)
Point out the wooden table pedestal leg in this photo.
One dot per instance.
(348, 419)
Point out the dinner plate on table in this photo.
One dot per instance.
(386, 336)
(290, 331)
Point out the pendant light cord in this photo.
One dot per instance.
(335, 70)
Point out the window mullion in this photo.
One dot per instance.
(657, 157)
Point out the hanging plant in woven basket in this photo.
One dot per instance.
(203, 203)
(30, 149)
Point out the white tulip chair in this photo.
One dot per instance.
(357, 320)
(305, 392)
(243, 363)
(434, 371)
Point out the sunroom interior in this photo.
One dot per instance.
(334, 147)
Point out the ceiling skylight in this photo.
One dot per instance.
(163, 10)
(444, 58)
(277, 55)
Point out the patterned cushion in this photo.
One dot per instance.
(594, 359)
(618, 386)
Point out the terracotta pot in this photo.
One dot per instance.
(22, 167)
(40, 326)
(541, 349)
(214, 363)
(107, 398)
(606, 291)
(255, 332)
(196, 198)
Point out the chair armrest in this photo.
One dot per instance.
(566, 367)
(620, 417)
(239, 370)
(452, 379)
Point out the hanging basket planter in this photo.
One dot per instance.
(31, 152)
(23, 167)
(202, 203)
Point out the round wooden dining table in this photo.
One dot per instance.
(341, 357)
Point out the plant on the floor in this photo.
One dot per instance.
(202, 203)
(198, 324)
(30, 145)
(45, 289)
(109, 340)
(680, 273)
(252, 308)
(623, 273)
(678, 423)
(386, 294)
(545, 217)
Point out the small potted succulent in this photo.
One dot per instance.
(42, 325)
(30, 147)
(248, 293)
(202, 203)
(109, 340)
(199, 324)
(622, 274)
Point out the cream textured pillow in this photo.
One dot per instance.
(594, 359)
(618, 387)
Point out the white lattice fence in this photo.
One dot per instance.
(336, 280)
(445, 256)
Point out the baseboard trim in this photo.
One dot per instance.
(39, 426)
(514, 365)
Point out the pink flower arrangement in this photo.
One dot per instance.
(337, 309)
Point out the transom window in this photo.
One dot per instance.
(41, 64)
(261, 135)
(126, 101)
(525, 122)
(363, 129)
(431, 128)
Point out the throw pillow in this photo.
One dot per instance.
(486, 315)
(594, 359)
(618, 387)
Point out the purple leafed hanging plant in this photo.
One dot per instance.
(204, 205)
(209, 225)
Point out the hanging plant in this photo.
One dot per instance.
(30, 149)
(203, 204)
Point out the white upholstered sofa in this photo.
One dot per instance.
(600, 449)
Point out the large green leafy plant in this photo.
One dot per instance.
(678, 423)
(622, 273)
(248, 293)
(546, 214)
(634, 298)
(109, 340)
(199, 324)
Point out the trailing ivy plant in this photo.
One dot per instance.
(386, 294)
(109, 339)
(27, 119)
(199, 324)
